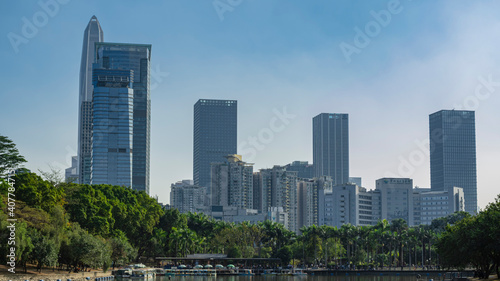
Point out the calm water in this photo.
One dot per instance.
(296, 278)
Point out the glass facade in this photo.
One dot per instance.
(452, 135)
(135, 57)
(93, 33)
(112, 130)
(331, 146)
(215, 125)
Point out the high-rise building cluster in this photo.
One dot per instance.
(323, 193)
(114, 113)
(114, 126)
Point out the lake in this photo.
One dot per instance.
(340, 277)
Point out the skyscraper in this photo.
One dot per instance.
(112, 130)
(331, 146)
(93, 33)
(452, 135)
(215, 125)
(136, 59)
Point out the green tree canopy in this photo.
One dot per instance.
(9, 155)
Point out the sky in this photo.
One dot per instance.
(388, 64)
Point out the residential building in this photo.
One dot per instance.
(232, 183)
(277, 187)
(331, 146)
(187, 197)
(452, 137)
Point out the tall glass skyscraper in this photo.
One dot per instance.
(93, 33)
(136, 58)
(331, 146)
(215, 125)
(452, 135)
(112, 130)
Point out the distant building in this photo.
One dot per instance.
(396, 199)
(187, 197)
(452, 135)
(215, 132)
(93, 33)
(277, 187)
(232, 183)
(309, 192)
(355, 180)
(430, 205)
(71, 173)
(303, 168)
(347, 203)
(331, 146)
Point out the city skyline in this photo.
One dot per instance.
(286, 68)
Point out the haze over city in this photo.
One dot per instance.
(276, 59)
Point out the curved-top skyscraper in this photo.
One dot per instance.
(93, 33)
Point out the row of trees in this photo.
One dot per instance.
(73, 225)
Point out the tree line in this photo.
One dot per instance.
(69, 226)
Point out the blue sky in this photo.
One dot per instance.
(272, 56)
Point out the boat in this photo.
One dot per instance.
(122, 273)
(245, 272)
(145, 273)
(159, 272)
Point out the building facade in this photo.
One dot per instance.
(277, 187)
(93, 33)
(135, 58)
(187, 197)
(396, 199)
(430, 205)
(331, 146)
(112, 127)
(232, 183)
(214, 136)
(452, 137)
(303, 168)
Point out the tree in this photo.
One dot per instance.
(121, 250)
(9, 155)
(45, 250)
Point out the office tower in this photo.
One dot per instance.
(452, 137)
(112, 129)
(232, 183)
(303, 168)
(430, 205)
(135, 58)
(214, 136)
(187, 197)
(396, 199)
(93, 33)
(331, 146)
